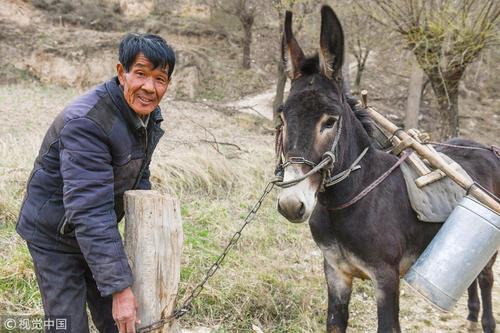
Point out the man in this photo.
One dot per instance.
(96, 149)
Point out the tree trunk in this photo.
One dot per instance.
(153, 242)
(280, 79)
(360, 66)
(414, 95)
(247, 41)
(449, 116)
(346, 75)
(359, 73)
(446, 92)
(280, 93)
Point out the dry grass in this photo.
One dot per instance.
(256, 284)
(194, 172)
(98, 15)
(272, 279)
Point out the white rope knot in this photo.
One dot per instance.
(332, 157)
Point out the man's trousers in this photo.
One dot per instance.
(67, 287)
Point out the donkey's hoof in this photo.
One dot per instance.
(489, 325)
(472, 326)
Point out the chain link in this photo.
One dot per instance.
(186, 305)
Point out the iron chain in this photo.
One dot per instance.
(186, 305)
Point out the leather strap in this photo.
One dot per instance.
(495, 150)
(370, 187)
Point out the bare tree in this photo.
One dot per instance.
(245, 11)
(445, 36)
(304, 7)
(363, 36)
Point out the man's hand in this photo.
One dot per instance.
(125, 310)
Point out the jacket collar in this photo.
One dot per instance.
(116, 94)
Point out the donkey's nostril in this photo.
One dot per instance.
(302, 210)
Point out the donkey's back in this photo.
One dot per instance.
(482, 163)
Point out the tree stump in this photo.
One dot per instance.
(153, 242)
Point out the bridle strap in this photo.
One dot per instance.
(370, 187)
(335, 141)
(344, 174)
(328, 159)
(278, 181)
(278, 145)
(298, 160)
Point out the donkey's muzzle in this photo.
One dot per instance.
(293, 210)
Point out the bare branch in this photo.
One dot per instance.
(445, 36)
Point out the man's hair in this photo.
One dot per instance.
(154, 48)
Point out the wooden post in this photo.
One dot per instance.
(364, 98)
(153, 242)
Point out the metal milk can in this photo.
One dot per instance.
(457, 254)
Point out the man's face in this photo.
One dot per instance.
(143, 86)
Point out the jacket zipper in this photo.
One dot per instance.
(63, 226)
(141, 170)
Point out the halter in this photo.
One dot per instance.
(325, 166)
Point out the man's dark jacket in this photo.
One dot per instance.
(94, 151)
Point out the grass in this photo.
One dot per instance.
(255, 285)
(227, 80)
(273, 278)
(17, 280)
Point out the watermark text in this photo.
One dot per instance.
(25, 324)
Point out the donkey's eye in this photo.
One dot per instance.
(328, 124)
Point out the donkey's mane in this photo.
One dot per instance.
(310, 65)
(362, 115)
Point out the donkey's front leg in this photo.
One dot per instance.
(387, 293)
(339, 294)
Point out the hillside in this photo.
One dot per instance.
(43, 43)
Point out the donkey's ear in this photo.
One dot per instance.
(331, 55)
(291, 53)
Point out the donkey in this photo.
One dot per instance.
(379, 236)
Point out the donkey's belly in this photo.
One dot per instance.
(346, 262)
(405, 263)
(350, 264)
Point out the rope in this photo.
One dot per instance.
(476, 184)
(493, 148)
